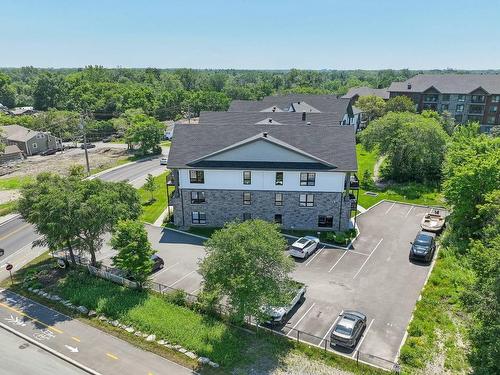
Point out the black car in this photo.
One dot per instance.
(423, 247)
(348, 330)
(50, 151)
(158, 263)
(89, 145)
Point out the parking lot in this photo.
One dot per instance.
(374, 277)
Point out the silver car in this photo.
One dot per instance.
(304, 247)
(348, 329)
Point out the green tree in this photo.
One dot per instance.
(246, 263)
(373, 106)
(400, 103)
(145, 131)
(48, 92)
(150, 186)
(7, 91)
(414, 145)
(130, 239)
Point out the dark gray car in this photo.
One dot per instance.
(348, 329)
(423, 247)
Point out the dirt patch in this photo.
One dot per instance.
(60, 163)
(297, 364)
(8, 195)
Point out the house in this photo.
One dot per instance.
(355, 92)
(11, 154)
(299, 103)
(19, 111)
(295, 175)
(277, 118)
(30, 142)
(468, 97)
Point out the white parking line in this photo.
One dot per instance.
(329, 329)
(357, 252)
(182, 278)
(166, 269)
(343, 255)
(411, 208)
(367, 259)
(302, 317)
(390, 208)
(315, 255)
(363, 338)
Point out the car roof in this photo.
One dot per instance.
(312, 238)
(356, 315)
(424, 233)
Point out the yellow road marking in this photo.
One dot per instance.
(14, 231)
(33, 319)
(75, 338)
(111, 356)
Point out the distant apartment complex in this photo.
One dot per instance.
(468, 97)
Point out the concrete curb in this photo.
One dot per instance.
(50, 350)
(8, 218)
(184, 232)
(91, 177)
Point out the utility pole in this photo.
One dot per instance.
(82, 128)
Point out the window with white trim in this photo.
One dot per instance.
(247, 177)
(198, 217)
(247, 198)
(197, 197)
(278, 199)
(196, 177)
(307, 179)
(306, 200)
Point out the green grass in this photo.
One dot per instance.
(411, 192)
(11, 183)
(7, 208)
(165, 143)
(439, 318)
(151, 210)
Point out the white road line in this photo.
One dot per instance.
(4, 261)
(196, 290)
(329, 329)
(315, 255)
(166, 269)
(390, 208)
(411, 208)
(357, 252)
(302, 317)
(367, 259)
(363, 338)
(343, 255)
(182, 278)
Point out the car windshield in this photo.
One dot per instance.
(302, 240)
(423, 240)
(343, 329)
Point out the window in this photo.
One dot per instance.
(461, 98)
(446, 97)
(247, 177)
(198, 217)
(307, 179)
(493, 109)
(477, 99)
(476, 109)
(278, 219)
(279, 178)
(196, 177)
(197, 197)
(444, 107)
(495, 98)
(306, 200)
(247, 216)
(431, 98)
(40, 136)
(34, 145)
(325, 221)
(491, 119)
(458, 118)
(247, 198)
(460, 108)
(278, 199)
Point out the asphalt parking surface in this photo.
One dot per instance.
(374, 277)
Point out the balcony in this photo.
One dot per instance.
(354, 182)
(354, 202)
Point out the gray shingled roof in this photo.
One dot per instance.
(17, 133)
(277, 118)
(449, 83)
(366, 91)
(312, 103)
(335, 145)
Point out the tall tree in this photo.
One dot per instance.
(7, 91)
(147, 132)
(400, 103)
(48, 91)
(246, 263)
(150, 185)
(372, 106)
(130, 239)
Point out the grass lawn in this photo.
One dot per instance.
(238, 351)
(7, 208)
(152, 210)
(165, 143)
(411, 192)
(11, 183)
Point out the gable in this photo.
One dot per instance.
(261, 151)
(273, 108)
(267, 121)
(479, 91)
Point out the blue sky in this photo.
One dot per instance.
(257, 34)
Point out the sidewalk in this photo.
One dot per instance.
(89, 347)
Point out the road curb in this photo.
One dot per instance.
(4, 220)
(49, 350)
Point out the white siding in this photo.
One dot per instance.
(263, 180)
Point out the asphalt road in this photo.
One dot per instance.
(88, 346)
(14, 351)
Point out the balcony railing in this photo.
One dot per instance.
(354, 202)
(354, 182)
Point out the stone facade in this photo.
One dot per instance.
(222, 206)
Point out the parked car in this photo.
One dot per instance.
(50, 151)
(423, 247)
(304, 247)
(168, 135)
(295, 294)
(89, 145)
(107, 139)
(163, 161)
(348, 329)
(158, 263)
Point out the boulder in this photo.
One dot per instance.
(161, 342)
(35, 290)
(92, 313)
(151, 338)
(138, 333)
(177, 347)
(191, 355)
(102, 317)
(203, 360)
(82, 309)
(30, 289)
(145, 335)
(182, 350)
(213, 364)
(56, 298)
(129, 330)
(167, 345)
(115, 323)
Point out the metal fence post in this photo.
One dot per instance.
(298, 336)
(326, 342)
(160, 288)
(357, 357)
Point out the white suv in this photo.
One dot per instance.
(304, 247)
